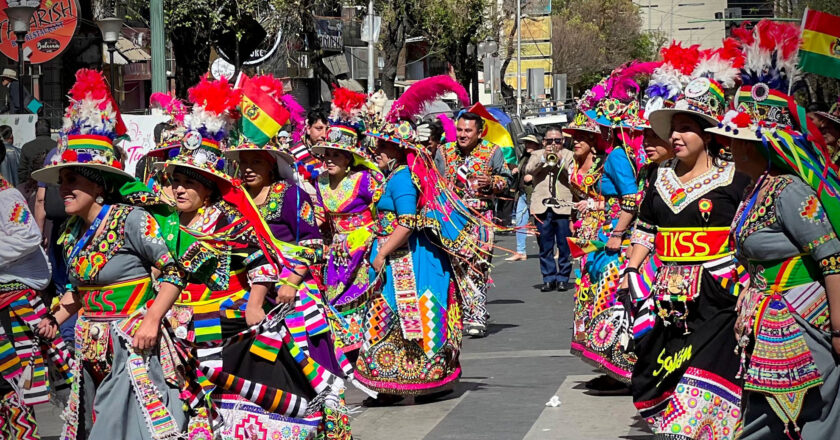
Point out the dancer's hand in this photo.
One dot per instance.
(254, 315)
(286, 294)
(47, 329)
(378, 263)
(146, 336)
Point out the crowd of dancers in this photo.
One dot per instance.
(246, 275)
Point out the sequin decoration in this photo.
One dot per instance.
(20, 214)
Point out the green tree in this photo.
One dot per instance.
(591, 37)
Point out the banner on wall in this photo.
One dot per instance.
(141, 129)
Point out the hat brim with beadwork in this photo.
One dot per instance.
(401, 133)
(282, 158)
(835, 118)
(702, 97)
(200, 154)
(88, 151)
(342, 138)
(583, 122)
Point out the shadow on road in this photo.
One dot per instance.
(506, 301)
(492, 328)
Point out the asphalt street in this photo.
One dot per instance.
(508, 377)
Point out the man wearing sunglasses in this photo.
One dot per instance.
(551, 205)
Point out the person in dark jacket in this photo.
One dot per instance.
(32, 155)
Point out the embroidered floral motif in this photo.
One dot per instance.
(830, 265)
(101, 248)
(307, 213)
(815, 243)
(812, 210)
(273, 206)
(20, 214)
(336, 200)
(677, 195)
(763, 214)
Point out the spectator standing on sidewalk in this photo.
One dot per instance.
(522, 185)
(551, 205)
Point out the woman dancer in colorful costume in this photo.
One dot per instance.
(584, 177)
(684, 381)
(125, 372)
(23, 358)
(786, 230)
(264, 381)
(266, 172)
(347, 191)
(608, 330)
(413, 331)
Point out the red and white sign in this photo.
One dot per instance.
(52, 27)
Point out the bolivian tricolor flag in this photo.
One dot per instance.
(262, 115)
(494, 131)
(819, 52)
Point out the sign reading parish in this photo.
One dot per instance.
(53, 25)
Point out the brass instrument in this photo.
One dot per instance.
(551, 159)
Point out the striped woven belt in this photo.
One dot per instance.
(116, 300)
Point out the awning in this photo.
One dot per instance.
(127, 52)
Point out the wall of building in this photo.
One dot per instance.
(689, 21)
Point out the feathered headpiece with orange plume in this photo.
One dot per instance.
(92, 109)
(213, 107)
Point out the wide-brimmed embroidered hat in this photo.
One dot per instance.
(92, 124)
(265, 109)
(397, 126)
(833, 114)
(702, 97)
(346, 126)
(208, 125)
(582, 122)
(762, 102)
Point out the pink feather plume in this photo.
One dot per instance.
(624, 86)
(296, 113)
(168, 103)
(449, 130)
(424, 92)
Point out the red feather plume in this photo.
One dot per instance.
(780, 36)
(731, 50)
(268, 84)
(742, 34)
(683, 59)
(90, 84)
(217, 96)
(348, 100)
(424, 92)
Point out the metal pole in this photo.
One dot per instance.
(518, 58)
(370, 48)
(158, 46)
(21, 38)
(111, 49)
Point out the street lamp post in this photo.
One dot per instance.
(110, 28)
(488, 49)
(19, 21)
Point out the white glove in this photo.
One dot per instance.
(423, 133)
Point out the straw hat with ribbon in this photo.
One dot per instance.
(92, 124)
(208, 125)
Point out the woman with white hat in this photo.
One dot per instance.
(123, 277)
